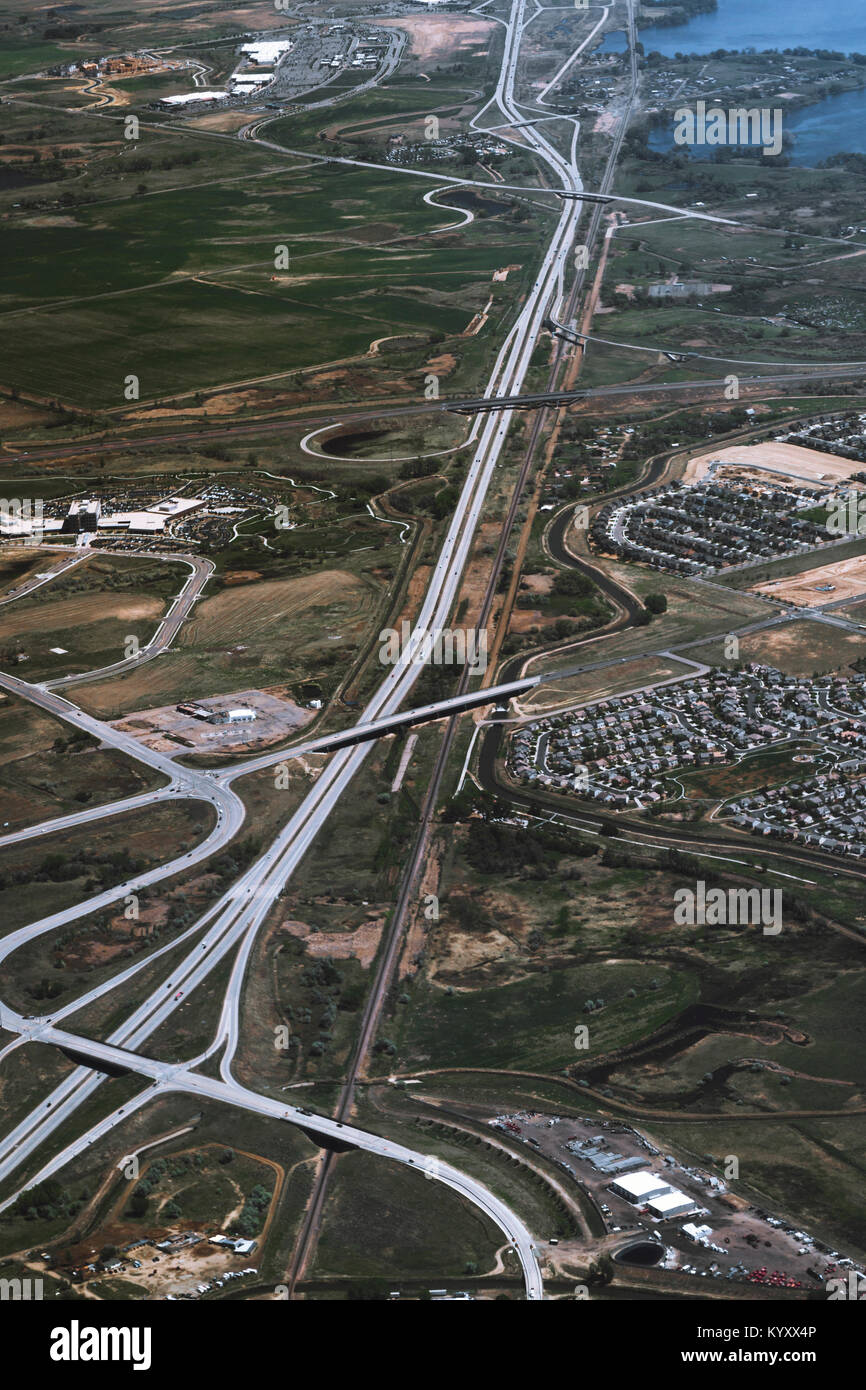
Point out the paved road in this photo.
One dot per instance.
(710, 387)
(92, 813)
(234, 921)
(170, 1076)
(239, 914)
(36, 582)
(181, 607)
(243, 908)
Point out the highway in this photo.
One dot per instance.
(237, 917)
(230, 927)
(167, 1077)
(235, 920)
(711, 387)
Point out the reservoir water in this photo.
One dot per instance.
(836, 124)
(838, 24)
(825, 128)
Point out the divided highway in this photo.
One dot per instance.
(232, 924)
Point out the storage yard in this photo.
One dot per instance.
(670, 1213)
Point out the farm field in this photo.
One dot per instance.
(203, 259)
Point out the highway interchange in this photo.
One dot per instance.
(236, 919)
(231, 924)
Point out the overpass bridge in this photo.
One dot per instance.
(389, 724)
(440, 709)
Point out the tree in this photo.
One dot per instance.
(656, 603)
(601, 1271)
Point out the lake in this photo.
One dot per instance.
(827, 127)
(839, 24)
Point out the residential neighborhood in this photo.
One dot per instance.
(708, 526)
(625, 752)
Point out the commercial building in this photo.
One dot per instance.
(241, 716)
(194, 711)
(177, 506)
(268, 51)
(699, 1234)
(638, 1188)
(148, 523)
(183, 98)
(234, 1243)
(670, 1203)
(249, 81)
(82, 516)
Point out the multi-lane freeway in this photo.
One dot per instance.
(236, 918)
(233, 922)
(228, 930)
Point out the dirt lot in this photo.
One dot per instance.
(792, 460)
(798, 648)
(440, 36)
(827, 584)
(165, 728)
(360, 945)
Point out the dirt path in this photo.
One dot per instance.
(609, 1103)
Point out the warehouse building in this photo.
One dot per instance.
(638, 1188)
(186, 98)
(670, 1203)
(267, 51)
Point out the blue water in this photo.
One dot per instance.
(825, 128)
(614, 42)
(839, 24)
